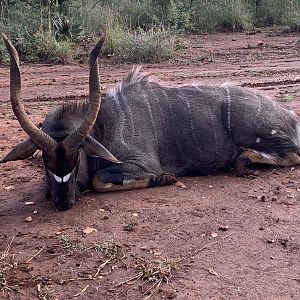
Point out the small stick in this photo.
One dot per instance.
(133, 278)
(63, 281)
(82, 291)
(35, 255)
(156, 285)
(213, 272)
(102, 266)
(151, 287)
(271, 172)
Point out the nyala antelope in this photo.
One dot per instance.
(146, 133)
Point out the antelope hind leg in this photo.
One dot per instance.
(252, 156)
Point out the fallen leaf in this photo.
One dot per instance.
(89, 229)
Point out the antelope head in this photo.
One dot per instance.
(61, 153)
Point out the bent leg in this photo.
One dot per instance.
(100, 186)
(252, 156)
(128, 176)
(290, 159)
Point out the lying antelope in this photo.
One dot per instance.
(146, 131)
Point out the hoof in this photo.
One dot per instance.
(165, 179)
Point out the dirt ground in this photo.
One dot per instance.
(220, 238)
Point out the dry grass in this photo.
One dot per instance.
(107, 251)
(69, 246)
(156, 272)
(109, 248)
(149, 274)
(6, 285)
(153, 273)
(44, 291)
(9, 281)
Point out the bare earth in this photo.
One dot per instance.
(220, 238)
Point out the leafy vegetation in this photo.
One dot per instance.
(138, 31)
(279, 12)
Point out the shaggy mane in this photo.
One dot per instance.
(70, 109)
(135, 76)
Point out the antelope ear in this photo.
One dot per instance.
(22, 151)
(95, 149)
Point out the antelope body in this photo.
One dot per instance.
(145, 132)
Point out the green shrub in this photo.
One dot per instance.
(225, 15)
(23, 42)
(91, 17)
(139, 46)
(278, 12)
(178, 15)
(116, 34)
(235, 16)
(48, 48)
(3, 54)
(49, 29)
(63, 28)
(139, 14)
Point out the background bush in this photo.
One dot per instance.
(278, 12)
(140, 30)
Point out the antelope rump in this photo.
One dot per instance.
(144, 133)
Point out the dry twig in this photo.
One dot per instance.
(213, 272)
(34, 255)
(82, 291)
(5, 286)
(102, 266)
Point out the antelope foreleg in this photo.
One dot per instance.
(126, 185)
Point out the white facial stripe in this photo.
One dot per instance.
(66, 177)
(57, 178)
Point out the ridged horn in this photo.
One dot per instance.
(74, 140)
(40, 138)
